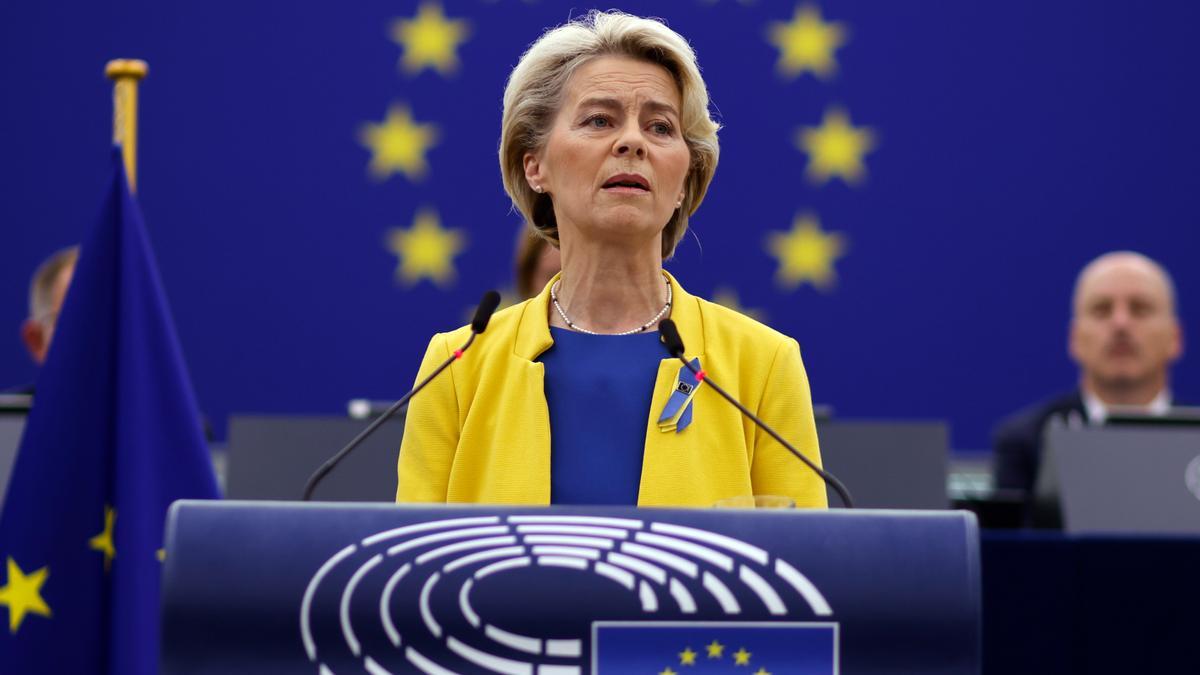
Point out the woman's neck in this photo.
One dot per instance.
(609, 289)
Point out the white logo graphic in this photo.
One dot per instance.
(658, 563)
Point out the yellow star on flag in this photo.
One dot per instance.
(23, 595)
(667, 671)
(426, 250)
(741, 657)
(103, 542)
(806, 253)
(429, 40)
(715, 649)
(762, 671)
(727, 297)
(836, 148)
(806, 43)
(398, 144)
(687, 657)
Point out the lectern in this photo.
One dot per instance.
(278, 587)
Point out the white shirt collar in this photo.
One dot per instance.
(1097, 410)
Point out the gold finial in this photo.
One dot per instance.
(125, 74)
(118, 68)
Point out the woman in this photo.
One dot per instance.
(569, 398)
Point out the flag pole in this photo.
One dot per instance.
(125, 74)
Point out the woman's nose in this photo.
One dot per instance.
(630, 142)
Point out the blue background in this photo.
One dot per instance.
(1016, 141)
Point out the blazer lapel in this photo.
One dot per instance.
(666, 460)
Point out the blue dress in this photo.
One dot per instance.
(598, 390)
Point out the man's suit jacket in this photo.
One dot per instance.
(481, 432)
(1017, 445)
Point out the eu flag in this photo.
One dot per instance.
(113, 438)
(699, 647)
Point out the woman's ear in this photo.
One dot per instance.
(533, 172)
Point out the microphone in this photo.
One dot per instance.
(674, 345)
(483, 313)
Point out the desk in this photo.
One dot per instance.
(11, 428)
(1061, 604)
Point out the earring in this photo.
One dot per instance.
(679, 204)
(537, 189)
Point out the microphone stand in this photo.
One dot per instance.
(674, 345)
(483, 313)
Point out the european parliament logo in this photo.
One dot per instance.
(612, 595)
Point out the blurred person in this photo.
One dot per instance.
(47, 289)
(1124, 335)
(536, 264)
(607, 147)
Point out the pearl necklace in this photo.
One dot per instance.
(573, 326)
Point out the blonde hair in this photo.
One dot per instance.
(535, 90)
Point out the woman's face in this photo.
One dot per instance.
(615, 161)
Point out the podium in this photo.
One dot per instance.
(280, 587)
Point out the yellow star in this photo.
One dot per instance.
(727, 297)
(425, 250)
(398, 144)
(836, 148)
(103, 542)
(762, 671)
(715, 649)
(161, 554)
(806, 43)
(429, 40)
(806, 253)
(687, 657)
(23, 594)
(667, 671)
(741, 657)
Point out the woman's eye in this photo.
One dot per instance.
(661, 128)
(598, 122)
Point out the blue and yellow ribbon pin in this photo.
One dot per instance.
(677, 414)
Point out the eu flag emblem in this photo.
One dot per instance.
(702, 647)
(113, 438)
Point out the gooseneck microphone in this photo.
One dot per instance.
(674, 345)
(479, 323)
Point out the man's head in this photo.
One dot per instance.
(46, 292)
(1125, 333)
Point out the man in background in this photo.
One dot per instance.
(1124, 335)
(47, 290)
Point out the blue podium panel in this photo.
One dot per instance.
(322, 588)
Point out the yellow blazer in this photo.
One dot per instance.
(480, 433)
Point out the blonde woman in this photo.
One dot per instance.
(607, 148)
